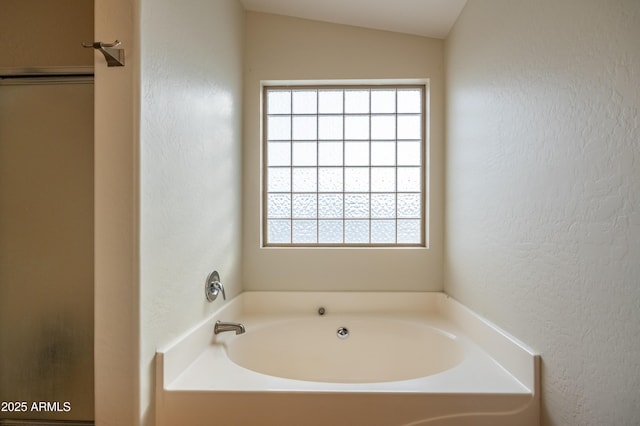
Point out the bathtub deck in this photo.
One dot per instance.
(495, 385)
(478, 374)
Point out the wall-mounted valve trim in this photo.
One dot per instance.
(213, 287)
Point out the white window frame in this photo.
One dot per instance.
(423, 167)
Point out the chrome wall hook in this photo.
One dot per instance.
(114, 57)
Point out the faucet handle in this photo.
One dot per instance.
(218, 285)
(213, 287)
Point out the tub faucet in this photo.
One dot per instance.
(221, 327)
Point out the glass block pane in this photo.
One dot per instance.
(330, 205)
(279, 154)
(278, 128)
(409, 179)
(330, 231)
(279, 231)
(330, 101)
(305, 180)
(383, 206)
(279, 102)
(305, 102)
(305, 128)
(333, 178)
(356, 205)
(356, 153)
(356, 101)
(279, 205)
(330, 153)
(409, 127)
(279, 179)
(383, 127)
(383, 101)
(305, 231)
(356, 179)
(409, 101)
(356, 231)
(383, 153)
(330, 127)
(356, 127)
(383, 231)
(409, 154)
(408, 231)
(409, 206)
(305, 206)
(305, 153)
(383, 179)
(330, 179)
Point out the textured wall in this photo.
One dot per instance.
(543, 192)
(284, 48)
(190, 177)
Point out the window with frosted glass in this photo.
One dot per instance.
(344, 166)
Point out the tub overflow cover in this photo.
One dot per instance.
(342, 333)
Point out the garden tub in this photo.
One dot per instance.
(388, 359)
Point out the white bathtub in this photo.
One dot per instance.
(409, 359)
(344, 348)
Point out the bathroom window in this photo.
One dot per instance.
(344, 166)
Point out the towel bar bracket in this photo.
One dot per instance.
(114, 57)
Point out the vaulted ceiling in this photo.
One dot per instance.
(430, 18)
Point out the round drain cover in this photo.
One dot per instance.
(342, 333)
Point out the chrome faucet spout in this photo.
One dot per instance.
(222, 327)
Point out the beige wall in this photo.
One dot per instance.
(167, 185)
(543, 184)
(117, 287)
(45, 33)
(284, 48)
(190, 176)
